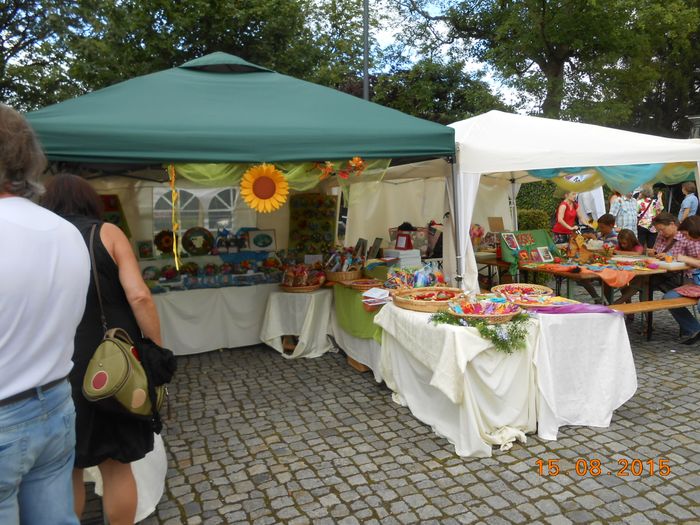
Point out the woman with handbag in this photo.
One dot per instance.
(110, 441)
(647, 209)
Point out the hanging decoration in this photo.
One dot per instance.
(355, 166)
(264, 188)
(174, 197)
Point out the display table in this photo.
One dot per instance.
(476, 397)
(302, 314)
(584, 370)
(196, 321)
(453, 380)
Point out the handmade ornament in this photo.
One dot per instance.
(476, 234)
(264, 188)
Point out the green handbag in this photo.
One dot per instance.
(115, 379)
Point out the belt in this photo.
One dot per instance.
(31, 392)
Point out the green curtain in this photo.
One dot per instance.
(300, 176)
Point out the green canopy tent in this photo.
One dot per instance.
(222, 109)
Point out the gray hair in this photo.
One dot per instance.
(21, 157)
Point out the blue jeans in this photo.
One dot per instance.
(686, 320)
(37, 448)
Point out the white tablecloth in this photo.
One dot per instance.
(453, 380)
(365, 351)
(149, 474)
(302, 314)
(584, 369)
(577, 369)
(196, 321)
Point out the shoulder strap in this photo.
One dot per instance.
(645, 209)
(94, 275)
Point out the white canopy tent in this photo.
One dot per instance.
(505, 146)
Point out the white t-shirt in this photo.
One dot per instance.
(44, 276)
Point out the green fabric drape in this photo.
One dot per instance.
(300, 176)
(351, 315)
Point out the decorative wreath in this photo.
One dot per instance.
(164, 241)
(264, 188)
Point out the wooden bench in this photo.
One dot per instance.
(648, 307)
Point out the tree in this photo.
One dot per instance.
(578, 59)
(31, 72)
(675, 94)
(430, 89)
(120, 40)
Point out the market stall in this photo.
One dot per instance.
(517, 148)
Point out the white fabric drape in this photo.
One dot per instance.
(455, 381)
(582, 380)
(365, 351)
(196, 321)
(374, 207)
(302, 314)
(149, 474)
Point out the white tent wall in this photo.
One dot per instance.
(505, 145)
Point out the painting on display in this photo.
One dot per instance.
(312, 222)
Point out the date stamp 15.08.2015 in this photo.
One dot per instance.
(594, 467)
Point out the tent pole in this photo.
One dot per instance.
(456, 190)
(513, 205)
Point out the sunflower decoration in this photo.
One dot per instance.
(264, 188)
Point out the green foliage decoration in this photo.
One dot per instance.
(505, 337)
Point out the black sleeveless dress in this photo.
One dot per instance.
(103, 435)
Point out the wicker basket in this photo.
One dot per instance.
(300, 289)
(538, 288)
(491, 319)
(404, 299)
(363, 285)
(343, 276)
(523, 304)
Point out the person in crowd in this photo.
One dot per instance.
(689, 206)
(45, 272)
(628, 243)
(648, 207)
(624, 210)
(613, 198)
(568, 212)
(108, 440)
(606, 229)
(672, 241)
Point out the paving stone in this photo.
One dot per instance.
(309, 441)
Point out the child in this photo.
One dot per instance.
(627, 243)
(606, 229)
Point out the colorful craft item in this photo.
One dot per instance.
(264, 188)
(442, 295)
(164, 240)
(169, 272)
(198, 241)
(354, 166)
(211, 269)
(175, 213)
(300, 275)
(483, 308)
(476, 233)
(190, 268)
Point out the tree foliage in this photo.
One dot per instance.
(576, 59)
(441, 92)
(31, 54)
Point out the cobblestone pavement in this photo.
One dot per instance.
(255, 438)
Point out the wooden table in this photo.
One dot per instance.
(642, 277)
(495, 268)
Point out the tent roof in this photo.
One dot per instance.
(503, 142)
(220, 108)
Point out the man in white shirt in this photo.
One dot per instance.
(45, 271)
